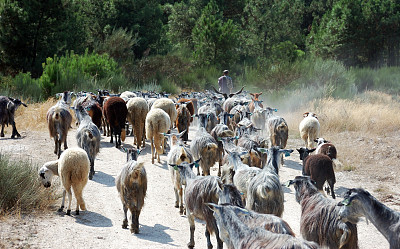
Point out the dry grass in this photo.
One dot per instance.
(33, 117)
(364, 131)
(371, 112)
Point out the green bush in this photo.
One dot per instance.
(20, 188)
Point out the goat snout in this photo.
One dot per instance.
(47, 184)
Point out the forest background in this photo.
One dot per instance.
(336, 48)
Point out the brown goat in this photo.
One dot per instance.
(319, 167)
(115, 111)
(190, 106)
(253, 100)
(183, 120)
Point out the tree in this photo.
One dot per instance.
(32, 30)
(266, 23)
(141, 17)
(359, 33)
(214, 39)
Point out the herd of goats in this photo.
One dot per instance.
(243, 205)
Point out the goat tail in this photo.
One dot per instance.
(263, 190)
(346, 236)
(336, 163)
(123, 135)
(212, 146)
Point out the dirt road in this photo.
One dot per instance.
(161, 226)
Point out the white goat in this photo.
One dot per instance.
(73, 169)
(309, 128)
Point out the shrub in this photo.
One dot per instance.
(20, 188)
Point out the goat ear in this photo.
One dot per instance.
(311, 150)
(42, 175)
(289, 183)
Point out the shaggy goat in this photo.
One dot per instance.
(243, 173)
(131, 184)
(183, 120)
(358, 202)
(309, 128)
(115, 111)
(59, 121)
(177, 155)
(237, 235)
(137, 111)
(8, 106)
(319, 167)
(327, 148)
(92, 107)
(168, 106)
(265, 193)
(72, 167)
(320, 220)
(88, 137)
(231, 196)
(157, 122)
(199, 191)
(205, 148)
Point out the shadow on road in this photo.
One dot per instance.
(92, 219)
(103, 178)
(148, 233)
(293, 165)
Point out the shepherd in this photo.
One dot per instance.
(225, 83)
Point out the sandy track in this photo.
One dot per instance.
(161, 226)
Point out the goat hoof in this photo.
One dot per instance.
(60, 209)
(190, 245)
(2, 135)
(135, 231)
(91, 175)
(69, 212)
(77, 212)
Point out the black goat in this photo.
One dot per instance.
(8, 106)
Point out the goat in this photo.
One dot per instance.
(137, 111)
(131, 184)
(319, 167)
(231, 196)
(115, 111)
(219, 131)
(199, 191)
(157, 123)
(320, 221)
(177, 155)
(72, 167)
(190, 105)
(327, 148)
(237, 235)
(168, 106)
(92, 107)
(255, 101)
(309, 128)
(8, 106)
(205, 148)
(59, 122)
(88, 137)
(183, 120)
(359, 202)
(207, 118)
(264, 192)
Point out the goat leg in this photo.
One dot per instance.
(191, 242)
(125, 222)
(135, 222)
(14, 132)
(62, 203)
(2, 131)
(209, 245)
